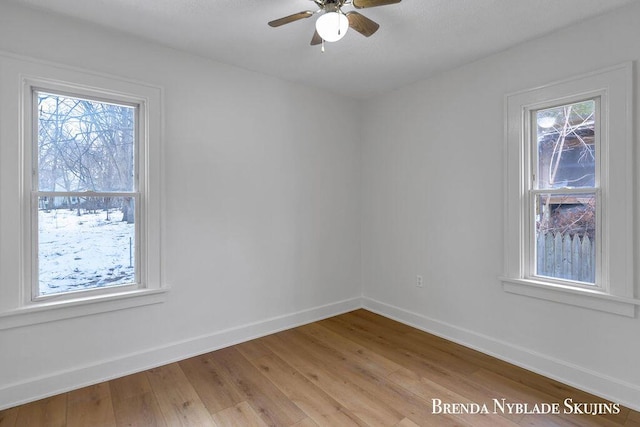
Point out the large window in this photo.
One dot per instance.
(569, 226)
(85, 193)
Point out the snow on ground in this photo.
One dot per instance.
(82, 252)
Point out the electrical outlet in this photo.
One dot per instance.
(419, 281)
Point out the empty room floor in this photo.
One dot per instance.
(358, 368)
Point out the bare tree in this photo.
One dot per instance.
(86, 145)
(570, 133)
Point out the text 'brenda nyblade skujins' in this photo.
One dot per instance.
(502, 406)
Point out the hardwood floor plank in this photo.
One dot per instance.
(139, 410)
(366, 407)
(254, 349)
(241, 414)
(307, 422)
(90, 406)
(317, 404)
(566, 421)
(395, 327)
(134, 402)
(545, 421)
(9, 416)
(360, 354)
(406, 422)
(45, 412)
(263, 396)
(129, 386)
(178, 401)
(633, 419)
(216, 390)
(50, 412)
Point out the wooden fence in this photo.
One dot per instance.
(565, 256)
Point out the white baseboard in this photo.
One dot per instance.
(576, 376)
(59, 382)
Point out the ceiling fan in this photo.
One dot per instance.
(333, 23)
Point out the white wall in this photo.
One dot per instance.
(261, 217)
(433, 205)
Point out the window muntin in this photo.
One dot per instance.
(86, 228)
(565, 198)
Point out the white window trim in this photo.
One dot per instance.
(614, 292)
(19, 75)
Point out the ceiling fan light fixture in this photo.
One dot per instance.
(332, 26)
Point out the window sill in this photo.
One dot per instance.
(45, 312)
(585, 298)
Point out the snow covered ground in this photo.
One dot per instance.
(87, 251)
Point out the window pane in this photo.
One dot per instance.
(565, 241)
(84, 145)
(85, 243)
(566, 145)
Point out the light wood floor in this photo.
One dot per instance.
(355, 369)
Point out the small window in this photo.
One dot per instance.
(85, 194)
(564, 199)
(569, 197)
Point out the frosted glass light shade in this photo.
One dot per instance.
(332, 26)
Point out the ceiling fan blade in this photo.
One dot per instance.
(316, 39)
(361, 4)
(362, 24)
(290, 18)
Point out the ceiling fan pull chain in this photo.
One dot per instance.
(322, 46)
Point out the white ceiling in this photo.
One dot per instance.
(417, 38)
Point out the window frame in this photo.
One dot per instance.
(615, 290)
(20, 76)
